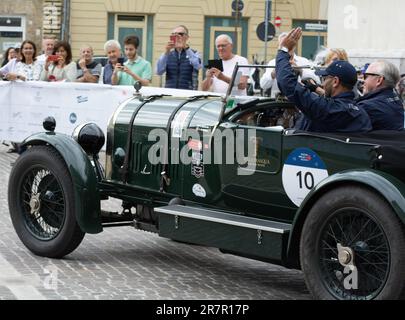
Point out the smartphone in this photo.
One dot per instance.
(53, 57)
(173, 39)
(121, 61)
(215, 63)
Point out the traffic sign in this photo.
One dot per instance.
(261, 32)
(237, 5)
(316, 26)
(277, 21)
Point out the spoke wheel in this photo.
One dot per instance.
(42, 203)
(367, 256)
(353, 247)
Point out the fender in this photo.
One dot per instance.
(87, 204)
(390, 188)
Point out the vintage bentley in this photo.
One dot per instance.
(331, 205)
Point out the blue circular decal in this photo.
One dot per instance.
(302, 171)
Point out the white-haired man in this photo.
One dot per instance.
(112, 49)
(217, 80)
(380, 101)
(269, 81)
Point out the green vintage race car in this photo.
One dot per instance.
(227, 173)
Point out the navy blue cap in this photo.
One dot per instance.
(341, 69)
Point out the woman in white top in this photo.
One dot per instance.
(59, 66)
(28, 69)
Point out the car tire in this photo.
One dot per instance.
(365, 225)
(42, 203)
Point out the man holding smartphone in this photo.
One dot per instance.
(112, 49)
(180, 63)
(219, 81)
(135, 68)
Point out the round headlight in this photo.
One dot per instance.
(90, 137)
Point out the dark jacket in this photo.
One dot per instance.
(180, 73)
(337, 114)
(384, 108)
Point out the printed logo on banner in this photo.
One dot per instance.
(82, 99)
(17, 115)
(38, 96)
(73, 118)
(302, 171)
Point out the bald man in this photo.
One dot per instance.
(88, 70)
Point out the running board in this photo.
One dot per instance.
(230, 232)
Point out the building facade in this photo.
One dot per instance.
(95, 21)
(30, 19)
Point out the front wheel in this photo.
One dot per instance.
(353, 247)
(41, 203)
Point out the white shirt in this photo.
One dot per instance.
(42, 59)
(31, 72)
(267, 82)
(229, 65)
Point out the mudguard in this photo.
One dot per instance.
(390, 188)
(87, 204)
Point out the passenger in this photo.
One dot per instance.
(337, 111)
(269, 82)
(63, 69)
(180, 63)
(112, 49)
(88, 70)
(380, 101)
(219, 81)
(135, 68)
(335, 54)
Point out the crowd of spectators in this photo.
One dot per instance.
(377, 89)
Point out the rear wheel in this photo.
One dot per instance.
(353, 247)
(41, 202)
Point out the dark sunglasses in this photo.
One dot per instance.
(324, 78)
(178, 34)
(368, 74)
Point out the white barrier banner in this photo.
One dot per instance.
(24, 105)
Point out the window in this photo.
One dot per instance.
(12, 32)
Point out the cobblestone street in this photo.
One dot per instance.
(123, 263)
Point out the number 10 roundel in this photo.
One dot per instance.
(302, 171)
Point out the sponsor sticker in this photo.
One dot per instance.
(199, 191)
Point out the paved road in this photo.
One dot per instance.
(123, 263)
